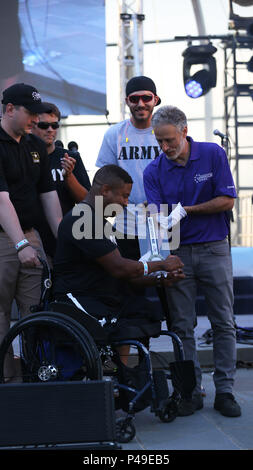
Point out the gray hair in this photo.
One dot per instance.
(169, 115)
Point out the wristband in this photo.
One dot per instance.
(145, 266)
(22, 244)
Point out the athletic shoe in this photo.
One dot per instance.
(226, 404)
(187, 407)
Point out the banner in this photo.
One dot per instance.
(58, 46)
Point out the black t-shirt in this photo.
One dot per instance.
(77, 272)
(75, 267)
(24, 173)
(66, 200)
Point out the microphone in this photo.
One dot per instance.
(220, 134)
(59, 143)
(72, 146)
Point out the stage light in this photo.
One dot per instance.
(237, 22)
(193, 88)
(199, 83)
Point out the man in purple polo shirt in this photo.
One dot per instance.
(197, 175)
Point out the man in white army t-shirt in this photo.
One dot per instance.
(131, 144)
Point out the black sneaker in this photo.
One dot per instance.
(187, 407)
(226, 404)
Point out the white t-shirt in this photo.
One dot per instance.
(132, 149)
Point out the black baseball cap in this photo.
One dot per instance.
(24, 95)
(141, 83)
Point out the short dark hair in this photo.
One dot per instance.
(52, 109)
(112, 175)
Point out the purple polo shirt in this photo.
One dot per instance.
(205, 176)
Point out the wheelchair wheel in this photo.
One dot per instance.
(168, 410)
(50, 346)
(125, 430)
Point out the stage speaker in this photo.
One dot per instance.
(243, 297)
(57, 415)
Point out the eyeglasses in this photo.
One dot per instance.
(46, 125)
(136, 98)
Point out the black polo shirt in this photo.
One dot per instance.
(24, 173)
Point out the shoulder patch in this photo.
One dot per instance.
(35, 157)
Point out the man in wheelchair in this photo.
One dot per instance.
(89, 269)
(91, 273)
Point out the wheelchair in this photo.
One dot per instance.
(59, 342)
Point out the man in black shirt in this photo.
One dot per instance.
(89, 269)
(68, 171)
(24, 175)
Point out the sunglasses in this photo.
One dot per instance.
(46, 125)
(136, 98)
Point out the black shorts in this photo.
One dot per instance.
(134, 318)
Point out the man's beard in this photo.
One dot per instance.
(141, 118)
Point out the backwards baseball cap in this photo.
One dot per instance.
(24, 95)
(141, 83)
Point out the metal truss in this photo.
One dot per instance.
(236, 95)
(130, 44)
